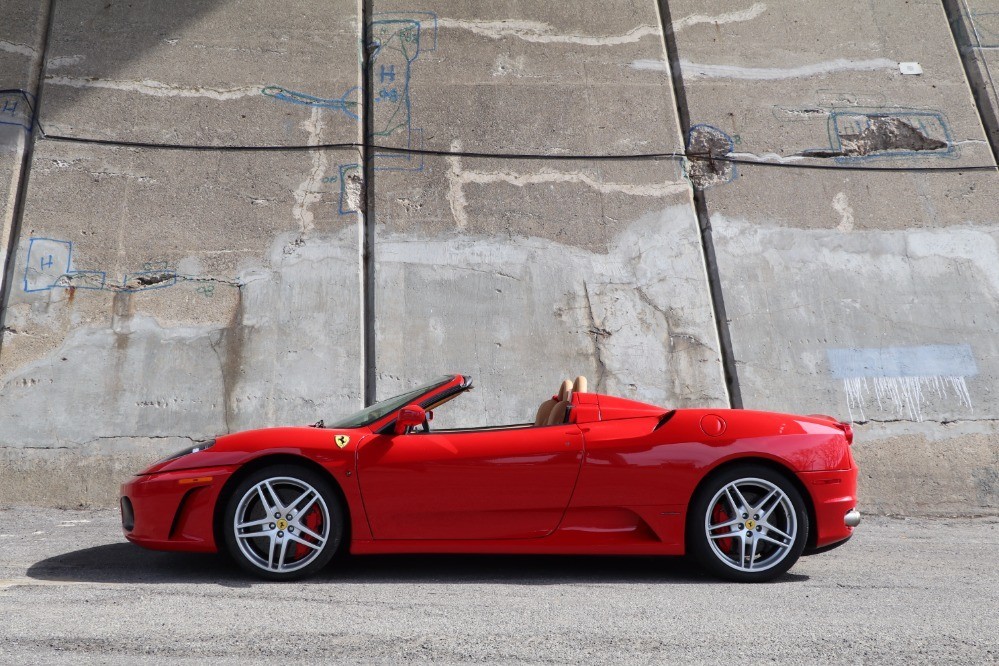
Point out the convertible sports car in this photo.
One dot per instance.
(744, 493)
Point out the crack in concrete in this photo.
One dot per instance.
(215, 341)
(156, 88)
(544, 33)
(597, 333)
(693, 70)
(458, 177)
(944, 422)
(20, 49)
(306, 193)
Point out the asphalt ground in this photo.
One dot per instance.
(902, 591)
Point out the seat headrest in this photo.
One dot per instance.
(565, 390)
(579, 386)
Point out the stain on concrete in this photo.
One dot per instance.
(901, 313)
(552, 307)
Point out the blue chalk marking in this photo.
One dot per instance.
(925, 361)
(49, 260)
(42, 253)
(17, 108)
(343, 104)
(399, 38)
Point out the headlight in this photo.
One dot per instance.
(200, 446)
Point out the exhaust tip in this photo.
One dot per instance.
(852, 518)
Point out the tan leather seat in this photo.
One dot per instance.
(545, 410)
(560, 412)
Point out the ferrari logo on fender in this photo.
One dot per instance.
(342, 440)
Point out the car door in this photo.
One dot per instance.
(470, 484)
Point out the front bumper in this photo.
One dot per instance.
(173, 510)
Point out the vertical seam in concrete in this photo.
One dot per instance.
(972, 72)
(20, 198)
(703, 218)
(367, 205)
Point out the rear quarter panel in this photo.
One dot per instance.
(653, 472)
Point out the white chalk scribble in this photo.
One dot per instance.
(905, 397)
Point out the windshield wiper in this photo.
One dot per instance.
(319, 424)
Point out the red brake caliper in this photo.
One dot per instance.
(313, 520)
(720, 515)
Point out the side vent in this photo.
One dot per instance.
(665, 417)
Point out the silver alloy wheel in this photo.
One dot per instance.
(271, 519)
(751, 524)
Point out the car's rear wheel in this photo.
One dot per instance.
(283, 522)
(748, 523)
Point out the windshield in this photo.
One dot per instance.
(380, 409)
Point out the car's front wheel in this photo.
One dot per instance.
(748, 523)
(283, 522)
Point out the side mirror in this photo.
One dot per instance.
(409, 416)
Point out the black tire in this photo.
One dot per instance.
(735, 557)
(307, 542)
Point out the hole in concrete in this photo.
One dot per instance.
(881, 134)
(708, 142)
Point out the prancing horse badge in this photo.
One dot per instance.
(342, 440)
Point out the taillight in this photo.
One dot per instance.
(847, 430)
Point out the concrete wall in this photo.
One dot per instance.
(157, 296)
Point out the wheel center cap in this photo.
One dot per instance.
(282, 524)
(750, 524)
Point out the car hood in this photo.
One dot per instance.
(237, 448)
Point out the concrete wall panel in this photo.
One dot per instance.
(243, 73)
(138, 313)
(792, 80)
(526, 77)
(21, 32)
(523, 273)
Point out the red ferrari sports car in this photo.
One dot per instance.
(744, 493)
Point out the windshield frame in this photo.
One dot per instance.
(385, 408)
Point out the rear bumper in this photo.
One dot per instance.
(834, 497)
(173, 510)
